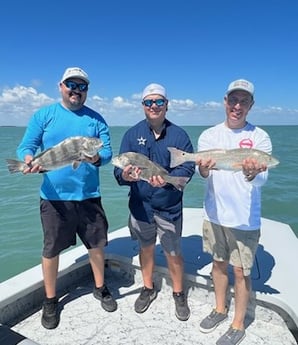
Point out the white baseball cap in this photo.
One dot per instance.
(241, 84)
(75, 72)
(154, 88)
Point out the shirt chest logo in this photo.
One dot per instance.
(142, 141)
(246, 144)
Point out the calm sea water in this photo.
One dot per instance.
(20, 230)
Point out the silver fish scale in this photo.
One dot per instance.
(225, 159)
(67, 152)
(148, 168)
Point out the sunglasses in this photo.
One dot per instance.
(232, 101)
(73, 86)
(159, 102)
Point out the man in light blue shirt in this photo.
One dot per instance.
(70, 200)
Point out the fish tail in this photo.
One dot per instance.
(15, 166)
(177, 157)
(179, 182)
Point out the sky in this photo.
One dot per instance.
(194, 48)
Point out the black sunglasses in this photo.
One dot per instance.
(159, 102)
(72, 85)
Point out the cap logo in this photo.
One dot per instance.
(75, 70)
(242, 83)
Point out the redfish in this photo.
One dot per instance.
(225, 159)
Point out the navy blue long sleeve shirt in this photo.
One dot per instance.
(145, 200)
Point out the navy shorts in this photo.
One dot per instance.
(63, 220)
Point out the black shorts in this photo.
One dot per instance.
(62, 220)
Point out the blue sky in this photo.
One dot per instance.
(195, 48)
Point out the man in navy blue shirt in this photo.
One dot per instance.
(156, 207)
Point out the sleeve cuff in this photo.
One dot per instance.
(97, 163)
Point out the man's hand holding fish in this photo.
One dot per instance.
(133, 173)
(38, 168)
(31, 168)
(92, 160)
(205, 165)
(71, 151)
(251, 168)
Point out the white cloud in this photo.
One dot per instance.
(120, 103)
(137, 96)
(17, 104)
(181, 105)
(212, 105)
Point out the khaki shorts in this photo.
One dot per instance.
(169, 233)
(238, 247)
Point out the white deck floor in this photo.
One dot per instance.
(84, 322)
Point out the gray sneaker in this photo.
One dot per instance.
(107, 301)
(144, 300)
(212, 321)
(182, 310)
(231, 337)
(50, 315)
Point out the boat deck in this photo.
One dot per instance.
(84, 322)
(272, 310)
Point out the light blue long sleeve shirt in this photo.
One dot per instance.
(49, 126)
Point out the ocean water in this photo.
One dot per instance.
(20, 229)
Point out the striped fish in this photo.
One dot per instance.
(70, 151)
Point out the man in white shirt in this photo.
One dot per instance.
(232, 208)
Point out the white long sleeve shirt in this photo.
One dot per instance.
(230, 200)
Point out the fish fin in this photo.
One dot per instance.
(179, 182)
(75, 164)
(15, 166)
(177, 157)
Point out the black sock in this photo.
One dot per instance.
(100, 288)
(178, 293)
